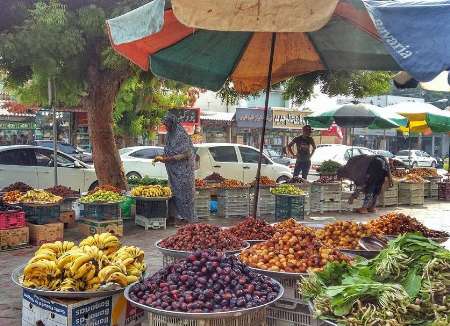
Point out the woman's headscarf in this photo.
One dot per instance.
(177, 140)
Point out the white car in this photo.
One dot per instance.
(34, 166)
(234, 161)
(336, 152)
(138, 162)
(416, 158)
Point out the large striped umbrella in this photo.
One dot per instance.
(252, 43)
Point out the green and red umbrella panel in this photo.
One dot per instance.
(154, 38)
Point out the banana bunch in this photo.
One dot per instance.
(39, 196)
(151, 191)
(97, 261)
(106, 242)
(133, 259)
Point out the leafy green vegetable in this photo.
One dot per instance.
(329, 167)
(412, 283)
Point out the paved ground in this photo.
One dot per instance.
(433, 214)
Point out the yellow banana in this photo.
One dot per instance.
(105, 272)
(118, 278)
(78, 262)
(132, 279)
(92, 281)
(128, 261)
(41, 257)
(84, 269)
(91, 273)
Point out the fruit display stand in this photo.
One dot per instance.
(50, 232)
(89, 226)
(201, 201)
(431, 188)
(389, 196)
(15, 238)
(326, 196)
(41, 213)
(444, 191)
(266, 201)
(232, 202)
(151, 212)
(101, 211)
(410, 193)
(289, 206)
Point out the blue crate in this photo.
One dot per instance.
(101, 212)
(41, 214)
(152, 208)
(289, 207)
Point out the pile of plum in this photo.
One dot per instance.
(205, 282)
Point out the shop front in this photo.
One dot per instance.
(217, 127)
(189, 118)
(16, 129)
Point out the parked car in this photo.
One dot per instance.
(34, 166)
(416, 158)
(384, 153)
(234, 161)
(67, 148)
(336, 152)
(278, 157)
(138, 162)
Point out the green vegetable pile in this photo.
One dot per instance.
(408, 283)
(102, 196)
(329, 167)
(147, 181)
(287, 189)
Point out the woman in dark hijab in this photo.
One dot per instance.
(180, 162)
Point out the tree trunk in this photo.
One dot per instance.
(102, 93)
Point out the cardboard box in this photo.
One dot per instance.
(68, 218)
(44, 233)
(90, 226)
(103, 311)
(12, 238)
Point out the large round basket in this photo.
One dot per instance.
(183, 254)
(203, 316)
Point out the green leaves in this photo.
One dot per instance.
(412, 283)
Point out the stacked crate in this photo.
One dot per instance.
(431, 188)
(345, 206)
(13, 230)
(152, 213)
(444, 191)
(66, 212)
(233, 202)
(326, 197)
(287, 206)
(389, 196)
(42, 222)
(410, 193)
(101, 217)
(201, 201)
(266, 201)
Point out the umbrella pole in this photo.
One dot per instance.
(263, 133)
(409, 145)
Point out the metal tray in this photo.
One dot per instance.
(150, 198)
(253, 242)
(16, 276)
(101, 203)
(369, 254)
(372, 243)
(277, 275)
(42, 204)
(202, 316)
(183, 254)
(438, 240)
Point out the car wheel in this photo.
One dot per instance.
(414, 165)
(93, 185)
(433, 164)
(283, 179)
(134, 176)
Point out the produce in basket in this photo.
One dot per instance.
(399, 173)
(106, 188)
(265, 181)
(406, 284)
(326, 179)
(297, 180)
(200, 237)
(252, 229)
(147, 181)
(289, 223)
(97, 261)
(102, 196)
(39, 196)
(151, 191)
(399, 223)
(12, 197)
(287, 189)
(199, 183)
(413, 178)
(4, 207)
(293, 250)
(214, 177)
(19, 186)
(63, 191)
(329, 167)
(230, 184)
(342, 234)
(424, 172)
(205, 282)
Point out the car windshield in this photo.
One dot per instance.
(125, 151)
(325, 153)
(403, 153)
(271, 152)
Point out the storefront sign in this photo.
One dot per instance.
(374, 132)
(252, 118)
(17, 125)
(189, 118)
(287, 119)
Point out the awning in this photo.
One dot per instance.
(217, 116)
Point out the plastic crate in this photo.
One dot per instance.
(13, 218)
(151, 223)
(41, 214)
(101, 212)
(266, 202)
(232, 202)
(289, 206)
(444, 191)
(254, 317)
(410, 193)
(290, 313)
(152, 208)
(67, 204)
(201, 203)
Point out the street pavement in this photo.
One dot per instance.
(433, 214)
